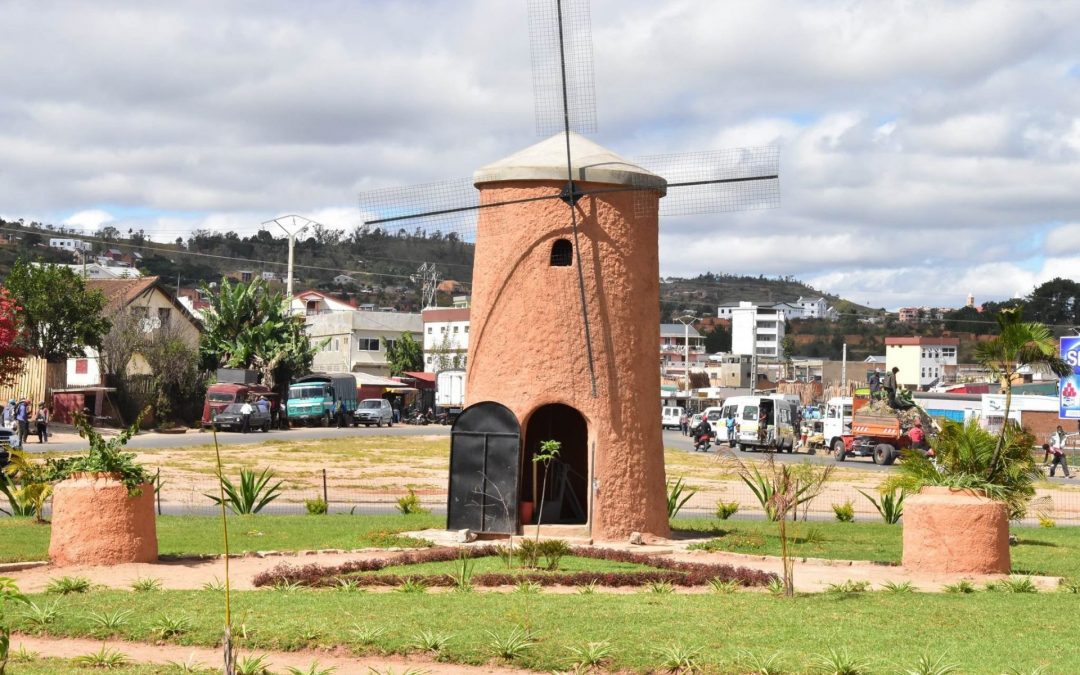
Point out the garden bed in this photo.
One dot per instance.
(369, 572)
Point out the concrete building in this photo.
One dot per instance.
(72, 245)
(446, 338)
(673, 342)
(923, 361)
(757, 329)
(803, 308)
(312, 303)
(98, 271)
(357, 341)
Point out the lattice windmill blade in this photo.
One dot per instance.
(564, 90)
(735, 179)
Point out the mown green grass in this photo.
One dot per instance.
(22, 539)
(982, 632)
(1051, 551)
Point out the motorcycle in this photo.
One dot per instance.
(703, 442)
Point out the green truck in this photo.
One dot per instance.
(313, 398)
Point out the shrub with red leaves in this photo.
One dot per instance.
(11, 356)
(672, 571)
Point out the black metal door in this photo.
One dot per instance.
(485, 451)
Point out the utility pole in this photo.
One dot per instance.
(296, 225)
(686, 320)
(843, 372)
(753, 352)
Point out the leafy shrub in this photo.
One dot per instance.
(966, 458)
(1047, 521)
(315, 507)
(891, 506)
(103, 457)
(725, 510)
(962, 586)
(511, 645)
(675, 497)
(552, 551)
(253, 493)
(26, 486)
(848, 586)
(391, 539)
(66, 585)
(845, 512)
(410, 504)
(9, 592)
(527, 552)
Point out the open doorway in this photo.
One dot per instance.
(566, 499)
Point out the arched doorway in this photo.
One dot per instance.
(566, 499)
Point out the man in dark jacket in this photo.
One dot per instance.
(890, 386)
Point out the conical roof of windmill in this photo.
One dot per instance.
(591, 162)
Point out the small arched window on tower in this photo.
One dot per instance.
(562, 253)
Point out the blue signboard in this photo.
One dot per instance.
(1069, 386)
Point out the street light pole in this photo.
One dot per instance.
(686, 320)
(297, 224)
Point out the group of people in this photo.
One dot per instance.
(247, 409)
(1054, 451)
(17, 416)
(885, 388)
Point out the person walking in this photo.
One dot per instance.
(1058, 451)
(1055, 448)
(730, 424)
(339, 413)
(41, 422)
(684, 424)
(245, 412)
(22, 416)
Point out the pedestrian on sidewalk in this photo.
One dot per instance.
(1059, 458)
(41, 421)
(22, 416)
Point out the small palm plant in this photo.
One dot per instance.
(252, 494)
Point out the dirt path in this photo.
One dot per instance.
(811, 575)
(139, 652)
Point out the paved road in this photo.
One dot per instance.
(158, 441)
(675, 439)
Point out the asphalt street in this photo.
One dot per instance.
(675, 439)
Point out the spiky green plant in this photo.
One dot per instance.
(145, 585)
(104, 658)
(839, 662)
(678, 658)
(890, 506)
(252, 494)
(511, 645)
(678, 493)
(65, 585)
(590, 655)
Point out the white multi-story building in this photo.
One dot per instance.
(757, 329)
(357, 341)
(446, 337)
(71, 245)
(922, 361)
(803, 308)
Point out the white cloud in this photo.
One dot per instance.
(90, 220)
(925, 146)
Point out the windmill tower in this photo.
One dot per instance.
(564, 326)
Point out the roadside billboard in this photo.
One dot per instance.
(1069, 386)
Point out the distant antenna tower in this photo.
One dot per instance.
(428, 278)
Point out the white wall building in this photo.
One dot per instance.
(357, 341)
(922, 360)
(803, 308)
(757, 329)
(446, 338)
(97, 271)
(71, 245)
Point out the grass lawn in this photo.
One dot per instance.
(22, 539)
(982, 632)
(1051, 551)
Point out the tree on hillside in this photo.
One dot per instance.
(404, 354)
(60, 316)
(10, 333)
(1019, 344)
(247, 326)
(1055, 303)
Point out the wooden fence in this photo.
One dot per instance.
(36, 381)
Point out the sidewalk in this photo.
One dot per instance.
(65, 433)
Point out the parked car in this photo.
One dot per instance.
(232, 419)
(375, 411)
(8, 440)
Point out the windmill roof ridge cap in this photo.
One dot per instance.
(591, 162)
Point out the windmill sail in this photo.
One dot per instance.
(553, 58)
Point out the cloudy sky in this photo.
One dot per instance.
(928, 149)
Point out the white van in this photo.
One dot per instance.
(671, 417)
(779, 431)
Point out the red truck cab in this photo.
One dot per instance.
(223, 393)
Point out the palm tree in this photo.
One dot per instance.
(1020, 344)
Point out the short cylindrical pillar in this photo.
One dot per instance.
(96, 522)
(955, 532)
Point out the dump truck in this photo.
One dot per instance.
(862, 427)
(313, 398)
